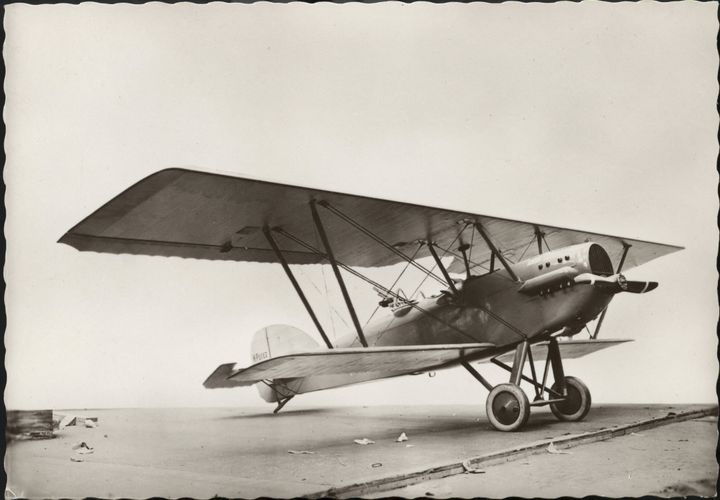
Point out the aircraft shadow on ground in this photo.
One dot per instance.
(387, 424)
(442, 423)
(283, 414)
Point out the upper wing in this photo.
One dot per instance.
(201, 215)
(389, 360)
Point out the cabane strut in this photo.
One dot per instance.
(495, 252)
(451, 283)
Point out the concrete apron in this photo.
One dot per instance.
(363, 488)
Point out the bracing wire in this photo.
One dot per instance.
(327, 299)
(527, 247)
(449, 252)
(410, 302)
(472, 242)
(546, 243)
(412, 295)
(331, 309)
(396, 281)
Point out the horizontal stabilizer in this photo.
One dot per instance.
(388, 360)
(570, 349)
(219, 378)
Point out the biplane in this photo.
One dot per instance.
(500, 306)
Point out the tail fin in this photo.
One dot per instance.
(277, 340)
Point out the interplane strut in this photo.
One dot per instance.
(338, 276)
(296, 286)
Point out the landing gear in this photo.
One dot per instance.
(576, 404)
(281, 403)
(507, 407)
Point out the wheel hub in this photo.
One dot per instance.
(506, 408)
(572, 402)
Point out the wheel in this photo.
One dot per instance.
(576, 405)
(507, 407)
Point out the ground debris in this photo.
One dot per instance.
(552, 449)
(363, 441)
(376, 465)
(83, 448)
(402, 437)
(441, 492)
(61, 421)
(301, 452)
(77, 459)
(470, 469)
(65, 421)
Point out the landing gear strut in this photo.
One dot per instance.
(507, 406)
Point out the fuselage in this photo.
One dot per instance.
(492, 308)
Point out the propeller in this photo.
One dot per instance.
(616, 283)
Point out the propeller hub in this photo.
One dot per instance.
(622, 282)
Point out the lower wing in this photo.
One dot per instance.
(569, 349)
(391, 360)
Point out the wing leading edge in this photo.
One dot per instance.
(390, 361)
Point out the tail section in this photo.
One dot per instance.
(277, 340)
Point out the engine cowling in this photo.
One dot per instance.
(558, 268)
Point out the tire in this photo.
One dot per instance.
(507, 407)
(578, 402)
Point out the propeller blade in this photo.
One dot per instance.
(617, 283)
(641, 286)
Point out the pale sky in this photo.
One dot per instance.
(596, 116)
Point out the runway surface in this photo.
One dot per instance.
(669, 461)
(233, 452)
